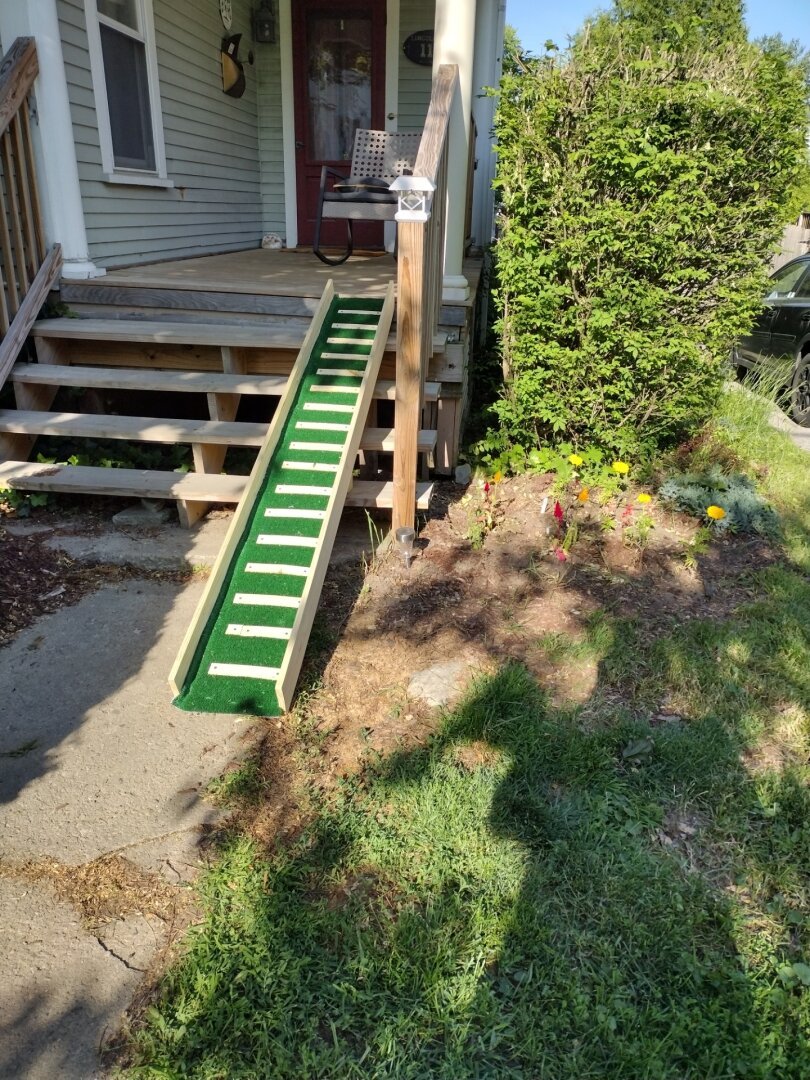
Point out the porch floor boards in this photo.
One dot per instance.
(273, 273)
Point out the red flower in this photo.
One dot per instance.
(486, 488)
(558, 511)
(560, 554)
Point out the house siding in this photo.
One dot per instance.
(271, 148)
(212, 145)
(414, 79)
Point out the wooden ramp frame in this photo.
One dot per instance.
(313, 441)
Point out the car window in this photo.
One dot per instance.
(803, 288)
(783, 283)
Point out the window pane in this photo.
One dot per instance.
(128, 100)
(339, 84)
(785, 281)
(123, 11)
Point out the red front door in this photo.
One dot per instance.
(339, 70)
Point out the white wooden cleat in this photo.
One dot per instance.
(245, 671)
(277, 633)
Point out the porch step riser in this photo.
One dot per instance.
(175, 382)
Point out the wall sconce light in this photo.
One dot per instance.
(264, 23)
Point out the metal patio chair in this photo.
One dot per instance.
(378, 158)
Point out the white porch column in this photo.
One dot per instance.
(454, 43)
(58, 173)
(489, 27)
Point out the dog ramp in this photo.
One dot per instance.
(244, 648)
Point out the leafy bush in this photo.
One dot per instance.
(743, 508)
(644, 178)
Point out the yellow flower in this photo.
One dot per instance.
(496, 479)
(575, 460)
(716, 513)
(621, 467)
(583, 495)
(644, 498)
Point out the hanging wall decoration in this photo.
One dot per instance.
(233, 72)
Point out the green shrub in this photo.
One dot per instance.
(644, 178)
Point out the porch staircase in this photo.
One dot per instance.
(244, 647)
(166, 348)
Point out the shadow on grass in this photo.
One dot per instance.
(537, 893)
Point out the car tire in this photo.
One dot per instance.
(800, 391)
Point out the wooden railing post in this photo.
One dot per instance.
(411, 319)
(420, 259)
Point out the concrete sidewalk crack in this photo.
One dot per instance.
(114, 954)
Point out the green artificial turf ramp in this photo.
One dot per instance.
(252, 625)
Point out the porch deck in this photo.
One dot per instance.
(273, 273)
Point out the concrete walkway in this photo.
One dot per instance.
(799, 435)
(94, 760)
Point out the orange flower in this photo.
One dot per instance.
(496, 479)
(583, 495)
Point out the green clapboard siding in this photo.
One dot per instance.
(414, 80)
(212, 144)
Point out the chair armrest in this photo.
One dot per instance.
(327, 172)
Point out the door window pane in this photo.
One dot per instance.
(785, 281)
(338, 84)
(128, 99)
(123, 11)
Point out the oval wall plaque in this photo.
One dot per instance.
(419, 47)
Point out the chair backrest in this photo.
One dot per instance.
(384, 154)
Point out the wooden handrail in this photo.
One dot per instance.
(27, 269)
(18, 69)
(434, 133)
(420, 265)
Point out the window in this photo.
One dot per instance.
(122, 54)
(785, 280)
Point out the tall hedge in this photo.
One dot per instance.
(644, 178)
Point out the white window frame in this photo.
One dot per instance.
(115, 174)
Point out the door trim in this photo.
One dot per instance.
(288, 101)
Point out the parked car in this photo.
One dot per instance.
(782, 332)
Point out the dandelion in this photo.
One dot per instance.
(583, 495)
(496, 479)
(621, 467)
(644, 498)
(575, 460)
(716, 513)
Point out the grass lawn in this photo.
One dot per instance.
(547, 892)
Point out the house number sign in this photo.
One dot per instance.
(419, 47)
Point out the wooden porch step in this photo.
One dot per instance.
(237, 335)
(198, 382)
(149, 429)
(148, 484)
(135, 428)
(383, 439)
